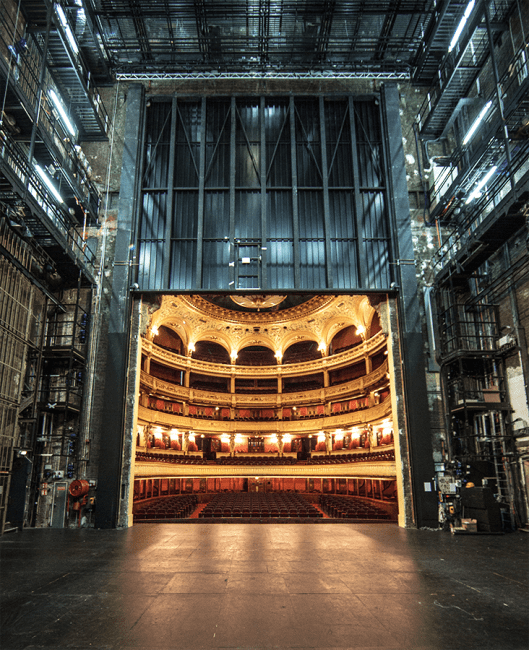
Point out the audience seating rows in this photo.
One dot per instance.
(173, 507)
(258, 460)
(169, 458)
(353, 458)
(276, 504)
(267, 461)
(339, 507)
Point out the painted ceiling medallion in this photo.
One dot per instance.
(258, 302)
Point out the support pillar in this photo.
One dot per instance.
(416, 434)
(110, 489)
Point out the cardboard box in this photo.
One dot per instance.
(470, 525)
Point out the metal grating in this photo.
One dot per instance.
(180, 35)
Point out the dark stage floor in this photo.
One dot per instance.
(161, 586)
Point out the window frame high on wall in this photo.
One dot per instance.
(264, 193)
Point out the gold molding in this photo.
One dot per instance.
(383, 469)
(333, 362)
(294, 427)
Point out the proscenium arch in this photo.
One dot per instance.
(177, 258)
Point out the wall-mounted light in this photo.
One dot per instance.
(47, 181)
(239, 439)
(338, 435)
(477, 191)
(321, 346)
(233, 354)
(288, 438)
(154, 330)
(173, 434)
(360, 330)
(477, 122)
(191, 347)
(60, 109)
(321, 437)
(225, 438)
(461, 25)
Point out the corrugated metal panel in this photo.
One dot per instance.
(218, 143)
(312, 264)
(215, 267)
(150, 260)
(280, 215)
(183, 265)
(185, 215)
(248, 215)
(187, 145)
(339, 144)
(310, 205)
(216, 214)
(281, 264)
(308, 149)
(342, 214)
(308, 219)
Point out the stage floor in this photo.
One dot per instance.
(165, 586)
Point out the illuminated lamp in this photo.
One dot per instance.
(154, 330)
(173, 434)
(273, 439)
(461, 25)
(191, 437)
(239, 438)
(191, 347)
(48, 183)
(321, 347)
(477, 191)
(157, 432)
(338, 435)
(360, 330)
(202, 435)
(60, 109)
(233, 354)
(477, 122)
(288, 438)
(321, 437)
(225, 438)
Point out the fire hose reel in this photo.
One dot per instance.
(79, 488)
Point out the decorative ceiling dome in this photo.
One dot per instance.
(258, 302)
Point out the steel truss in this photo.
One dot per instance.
(324, 74)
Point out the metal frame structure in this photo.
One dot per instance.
(196, 36)
(260, 193)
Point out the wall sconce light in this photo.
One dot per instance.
(154, 330)
(360, 330)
